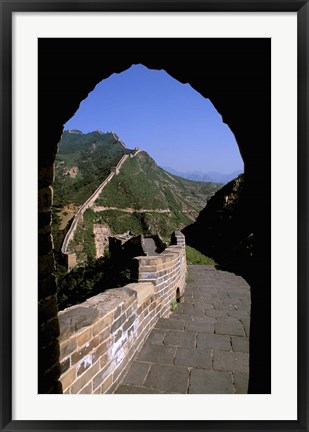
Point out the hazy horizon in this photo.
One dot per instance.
(149, 109)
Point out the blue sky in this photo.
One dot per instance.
(171, 121)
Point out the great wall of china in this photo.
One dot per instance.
(70, 257)
(99, 338)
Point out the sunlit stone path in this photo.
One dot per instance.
(204, 346)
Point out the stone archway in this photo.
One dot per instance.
(235, 75)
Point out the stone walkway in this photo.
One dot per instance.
(204, 346)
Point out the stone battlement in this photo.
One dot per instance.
(99, 337)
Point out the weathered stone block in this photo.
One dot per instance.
(210, 382)
(118, 323)
(87, 389)
(231, 361)
(86, 349)
(193, 358)
(210, 341)
(240, 344)
(85, 378)
(156, 336)
(199, 327)
(229, 326)
(105, 334)
(75, 318)
(142, 290)
(103, 323)
(101, 353)
(171, 324)
(84, 364)
(117, 335)
(100, 377)
(168, 379)
(129, 301)
(241, 382)
(107, 384)
(117, 312)
(179, 338)
(157, 353)
(84, 337)
(128, 323)
(67, 347)
(65, 365)
(137, 373)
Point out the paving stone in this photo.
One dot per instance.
(205, 340)
(199, 326)
(188, 309)
(170, 323)
(216, 342)
(162, 354)
(231, 361)
(169, 379)
(215, 313)
(241, 382)
(178, 316)
(203, 298)
(239, 314)
(156, 336)
(240, 296)
(129, 389)
(206, 382)
(199, 307)
(229, 326)
(220, 306)
(193, 357)
(203, 319)
(246, 324)
(242, 306)
(137, 373)
(179, 338)
(240, 344)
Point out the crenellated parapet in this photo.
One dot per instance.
(99, 337)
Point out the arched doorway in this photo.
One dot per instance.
(235, 76)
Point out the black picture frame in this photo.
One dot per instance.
(7, 9)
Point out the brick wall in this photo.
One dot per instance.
(48, 326)
(99, 337)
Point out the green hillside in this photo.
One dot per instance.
(142, 198)
(141, 184)
(93, 155)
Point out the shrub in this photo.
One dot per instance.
(196, 257)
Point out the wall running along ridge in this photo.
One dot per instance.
(71, 257)
(99, 337)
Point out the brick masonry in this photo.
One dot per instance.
(48, 328)
(99, 338)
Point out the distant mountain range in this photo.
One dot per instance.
(205, 177)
